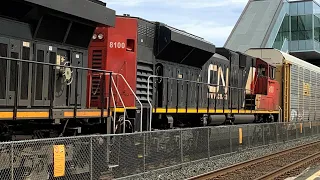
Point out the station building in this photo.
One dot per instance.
(287, 25)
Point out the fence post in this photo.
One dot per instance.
(248, 134)
(311, 128)
(297, 130)
(277, 133)
(230, 139)
(91, 157)
(144, 154)
(287, 132)
(208, 128)
(181, 146)
(12, 161)
(303, 129)
(263, 138)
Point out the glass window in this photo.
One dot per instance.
(272, 72)
(301, 23)
(308, 7)
(302, 35)
(316, 28)
(316, 8)
(282, 34)
(261, 70)
(285, 25)
(308, 21)
(309, 34)
(293, 9)
(294, 23)
(295, 36)
(301, 27)
(300, 8)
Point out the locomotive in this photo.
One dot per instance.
(176, 79)
(44, 55)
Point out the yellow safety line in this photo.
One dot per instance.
(200, 110)
(6, 115)
(45, 114)
(194, 110)
(86, 114)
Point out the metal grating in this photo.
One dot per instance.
(96, 64)
(144, 70)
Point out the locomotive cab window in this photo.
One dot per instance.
(272, 72)
(261, 70)
(130, 45)
(180, 75)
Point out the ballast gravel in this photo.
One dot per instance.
(195, 168)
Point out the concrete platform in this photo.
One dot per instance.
(311, 173)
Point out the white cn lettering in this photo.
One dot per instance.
(214, 88)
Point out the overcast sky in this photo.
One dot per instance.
(210, 19)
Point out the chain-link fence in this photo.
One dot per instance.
(117, 156)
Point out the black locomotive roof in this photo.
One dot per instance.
(181, 47)
(219, 56)
(92, 10)
(189, 39)
(67, 22)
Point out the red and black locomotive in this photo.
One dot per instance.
(180, 79)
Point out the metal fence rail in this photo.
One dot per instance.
(116, 156)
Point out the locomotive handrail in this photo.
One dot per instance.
(124, 112)
(52, 64)
(184, 80)
(280, 114)
(114, 112)
(134, 94)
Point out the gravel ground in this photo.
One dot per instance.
(202, 166)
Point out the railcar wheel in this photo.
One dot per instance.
(204, 121)
(270, 118)
(123, 122)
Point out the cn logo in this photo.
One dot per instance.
(271, 89)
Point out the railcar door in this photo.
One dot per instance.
(25, 76)
(4, 44)
(41, 83)
(77, 60)
(12, 69)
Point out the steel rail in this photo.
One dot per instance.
(237, 166)
(279, 172)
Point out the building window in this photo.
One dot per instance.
(282, 34)
(301, 27)
(316, 28)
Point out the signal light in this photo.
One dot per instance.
(100, 36)
(94, 36)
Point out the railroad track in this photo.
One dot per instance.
(282, 164)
